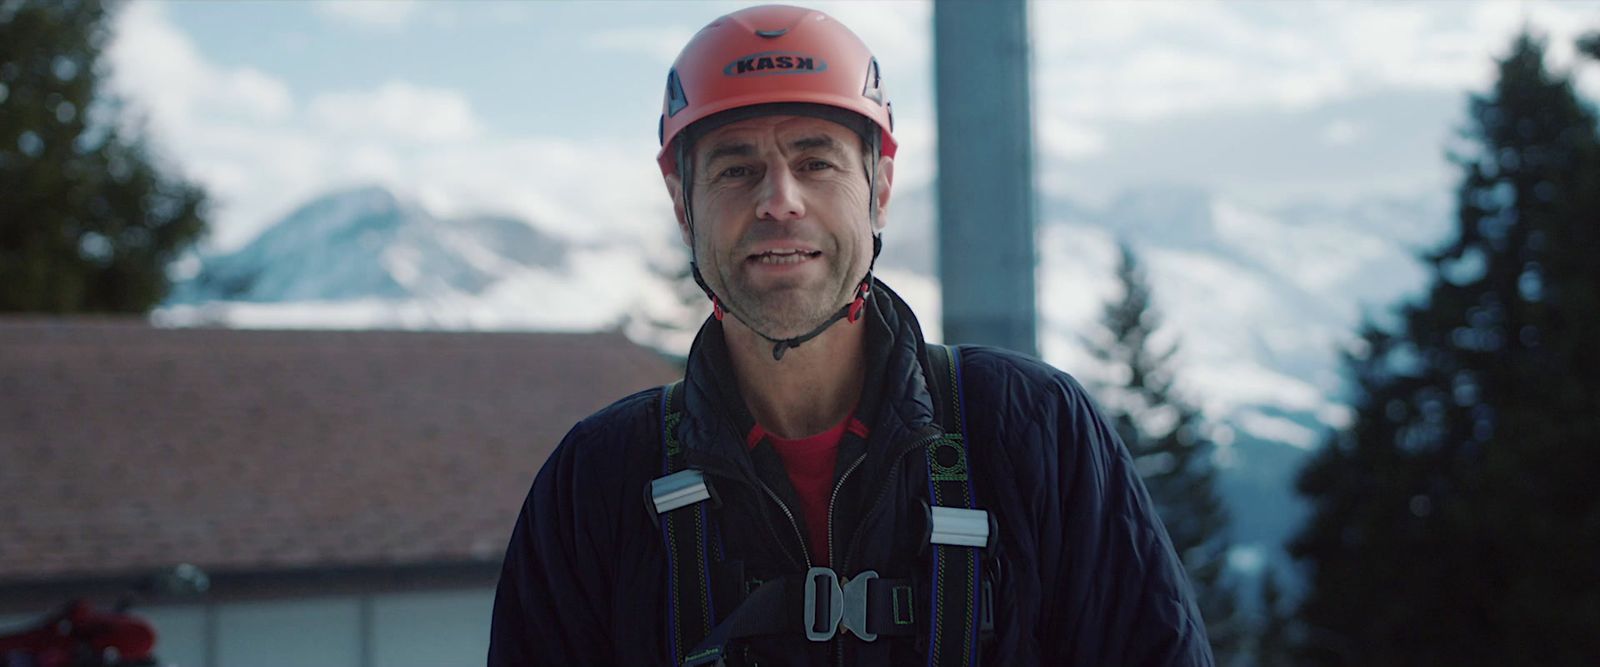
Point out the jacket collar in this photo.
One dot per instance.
(894, 400)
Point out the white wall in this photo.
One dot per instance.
(322, 632)
(180, 634)
(431, 629)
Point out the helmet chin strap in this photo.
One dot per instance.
(850, 311)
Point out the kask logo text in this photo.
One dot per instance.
(775, 62)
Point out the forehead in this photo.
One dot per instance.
(782, 130)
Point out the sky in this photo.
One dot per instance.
(547, 110)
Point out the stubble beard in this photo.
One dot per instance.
(785, 310)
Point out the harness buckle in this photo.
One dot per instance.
(824, 604)
(829, 606)
(855, 606)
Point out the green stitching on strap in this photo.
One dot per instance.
(955, 472)
(671, 420)
(909, 618)
(700, 561)
(938, 620)
(703, 654)
(955, 391)
(672, 572)
(673, 449)
(972, 601)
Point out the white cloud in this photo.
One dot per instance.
(236, 131)
(660, 43)
(398, 111)
(915, 158)
(1108, 74)
(154, 63)
(257, 92)
(583, 190)
(1159, 59)
(1277, 428)
(226, 127)
(372, 14)
(1341, 133)
(1064, 139)
(260, 150)
(899, 33)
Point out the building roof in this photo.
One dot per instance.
(126, 448)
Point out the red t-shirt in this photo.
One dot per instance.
(810, 462)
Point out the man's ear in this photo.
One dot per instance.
(675, 189)
(885, 185)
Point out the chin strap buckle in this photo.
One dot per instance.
(861, 301)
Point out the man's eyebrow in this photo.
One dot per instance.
(817, 141)
(730, 150)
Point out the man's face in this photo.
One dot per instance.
(781, 227)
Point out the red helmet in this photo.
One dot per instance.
(773, 54)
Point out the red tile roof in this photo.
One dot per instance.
(125, 448)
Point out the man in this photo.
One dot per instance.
(823, 487)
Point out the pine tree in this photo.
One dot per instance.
(1271, 636)
(87, 220)
(669, 318)
(1455, 521)
(1167, 439)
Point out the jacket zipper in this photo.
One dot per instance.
(806, 553)
(882, 491)
(837, 646)
(838, 643)
(833, 500)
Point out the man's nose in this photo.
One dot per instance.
(780, 197)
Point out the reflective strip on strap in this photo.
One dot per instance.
(958, 527)
(679, 489)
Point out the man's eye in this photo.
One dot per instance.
(817, 165)
(735, 172)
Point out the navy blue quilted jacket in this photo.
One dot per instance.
(1085, 573)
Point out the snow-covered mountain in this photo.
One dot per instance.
(366, 258)
(368, 244)
(1260, 300)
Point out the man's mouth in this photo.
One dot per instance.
(785, 256)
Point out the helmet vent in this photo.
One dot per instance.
(772, 34)
(676, 100)
(873, 89)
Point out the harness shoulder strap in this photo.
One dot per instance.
(676, 501)
(958, 532)
(942, 386)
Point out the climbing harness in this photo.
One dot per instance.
(865, 605)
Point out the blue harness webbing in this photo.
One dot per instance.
(957, 572)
